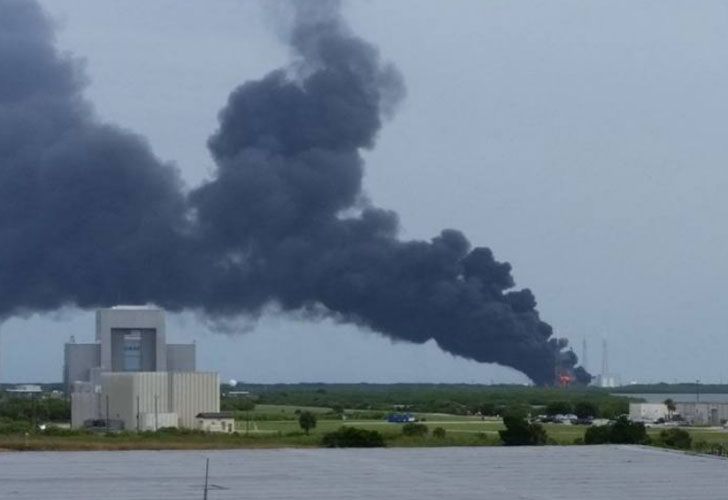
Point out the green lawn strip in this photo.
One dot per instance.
(287, 433)
(288, 409)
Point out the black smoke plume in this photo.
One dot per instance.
(90, 217)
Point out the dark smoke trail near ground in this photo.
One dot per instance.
(88, 215)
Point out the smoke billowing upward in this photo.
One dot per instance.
(90, 217)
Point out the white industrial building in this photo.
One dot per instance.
(693, 413)
(647, 412)
(216, 422)
(132, 377)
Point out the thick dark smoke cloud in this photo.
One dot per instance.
(89, 216)
(86, 210)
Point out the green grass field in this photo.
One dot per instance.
(287, 410)
(460, 430)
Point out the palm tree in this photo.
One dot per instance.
(670, 404)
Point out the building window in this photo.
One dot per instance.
(133, 351)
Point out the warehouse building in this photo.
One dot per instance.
(131, 376)
(647, 412)
(693, 413)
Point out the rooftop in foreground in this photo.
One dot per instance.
(545, 473)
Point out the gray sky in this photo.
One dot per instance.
(582, 141)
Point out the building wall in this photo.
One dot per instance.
(78, 360)
(181, 357)
(152, 421)
(184, 394)
(117, 394)
(127, 317)
(130, 393)
(647, 411)
(84, 404)
(703, 413)
(193, 393)
(226, 425)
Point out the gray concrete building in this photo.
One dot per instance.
(131, 375)
(152, 400)
(693, 413)
(713, 414)
(128, 339)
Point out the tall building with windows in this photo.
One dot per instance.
(128, 339)
(131, 375)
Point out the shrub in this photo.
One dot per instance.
(415, 430)
(676, 438)
(520, 432)
(612, 409)
(439, 433)
(621, 431)
(711, 448)
(307, 421)
(597, 435)
(15, 427)
(559, 408)
(53, 430)
(44, 410)
(520, 411)
(171, 431)
(487, 409)
(586, 409)
(236, 404)
(353, 437)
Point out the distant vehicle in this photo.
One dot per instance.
(401, 418)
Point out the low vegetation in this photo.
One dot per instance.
(35, 410)
(413, 429)
(263, 421)
(621, 431)
(352, 437)
(675, 438)
(521, 432)
(307, 421)
(451, 399)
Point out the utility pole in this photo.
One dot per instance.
(137, 413)
(207, 475)
(697, 391)
(35, 411)
(107, 413)
(156, 412)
